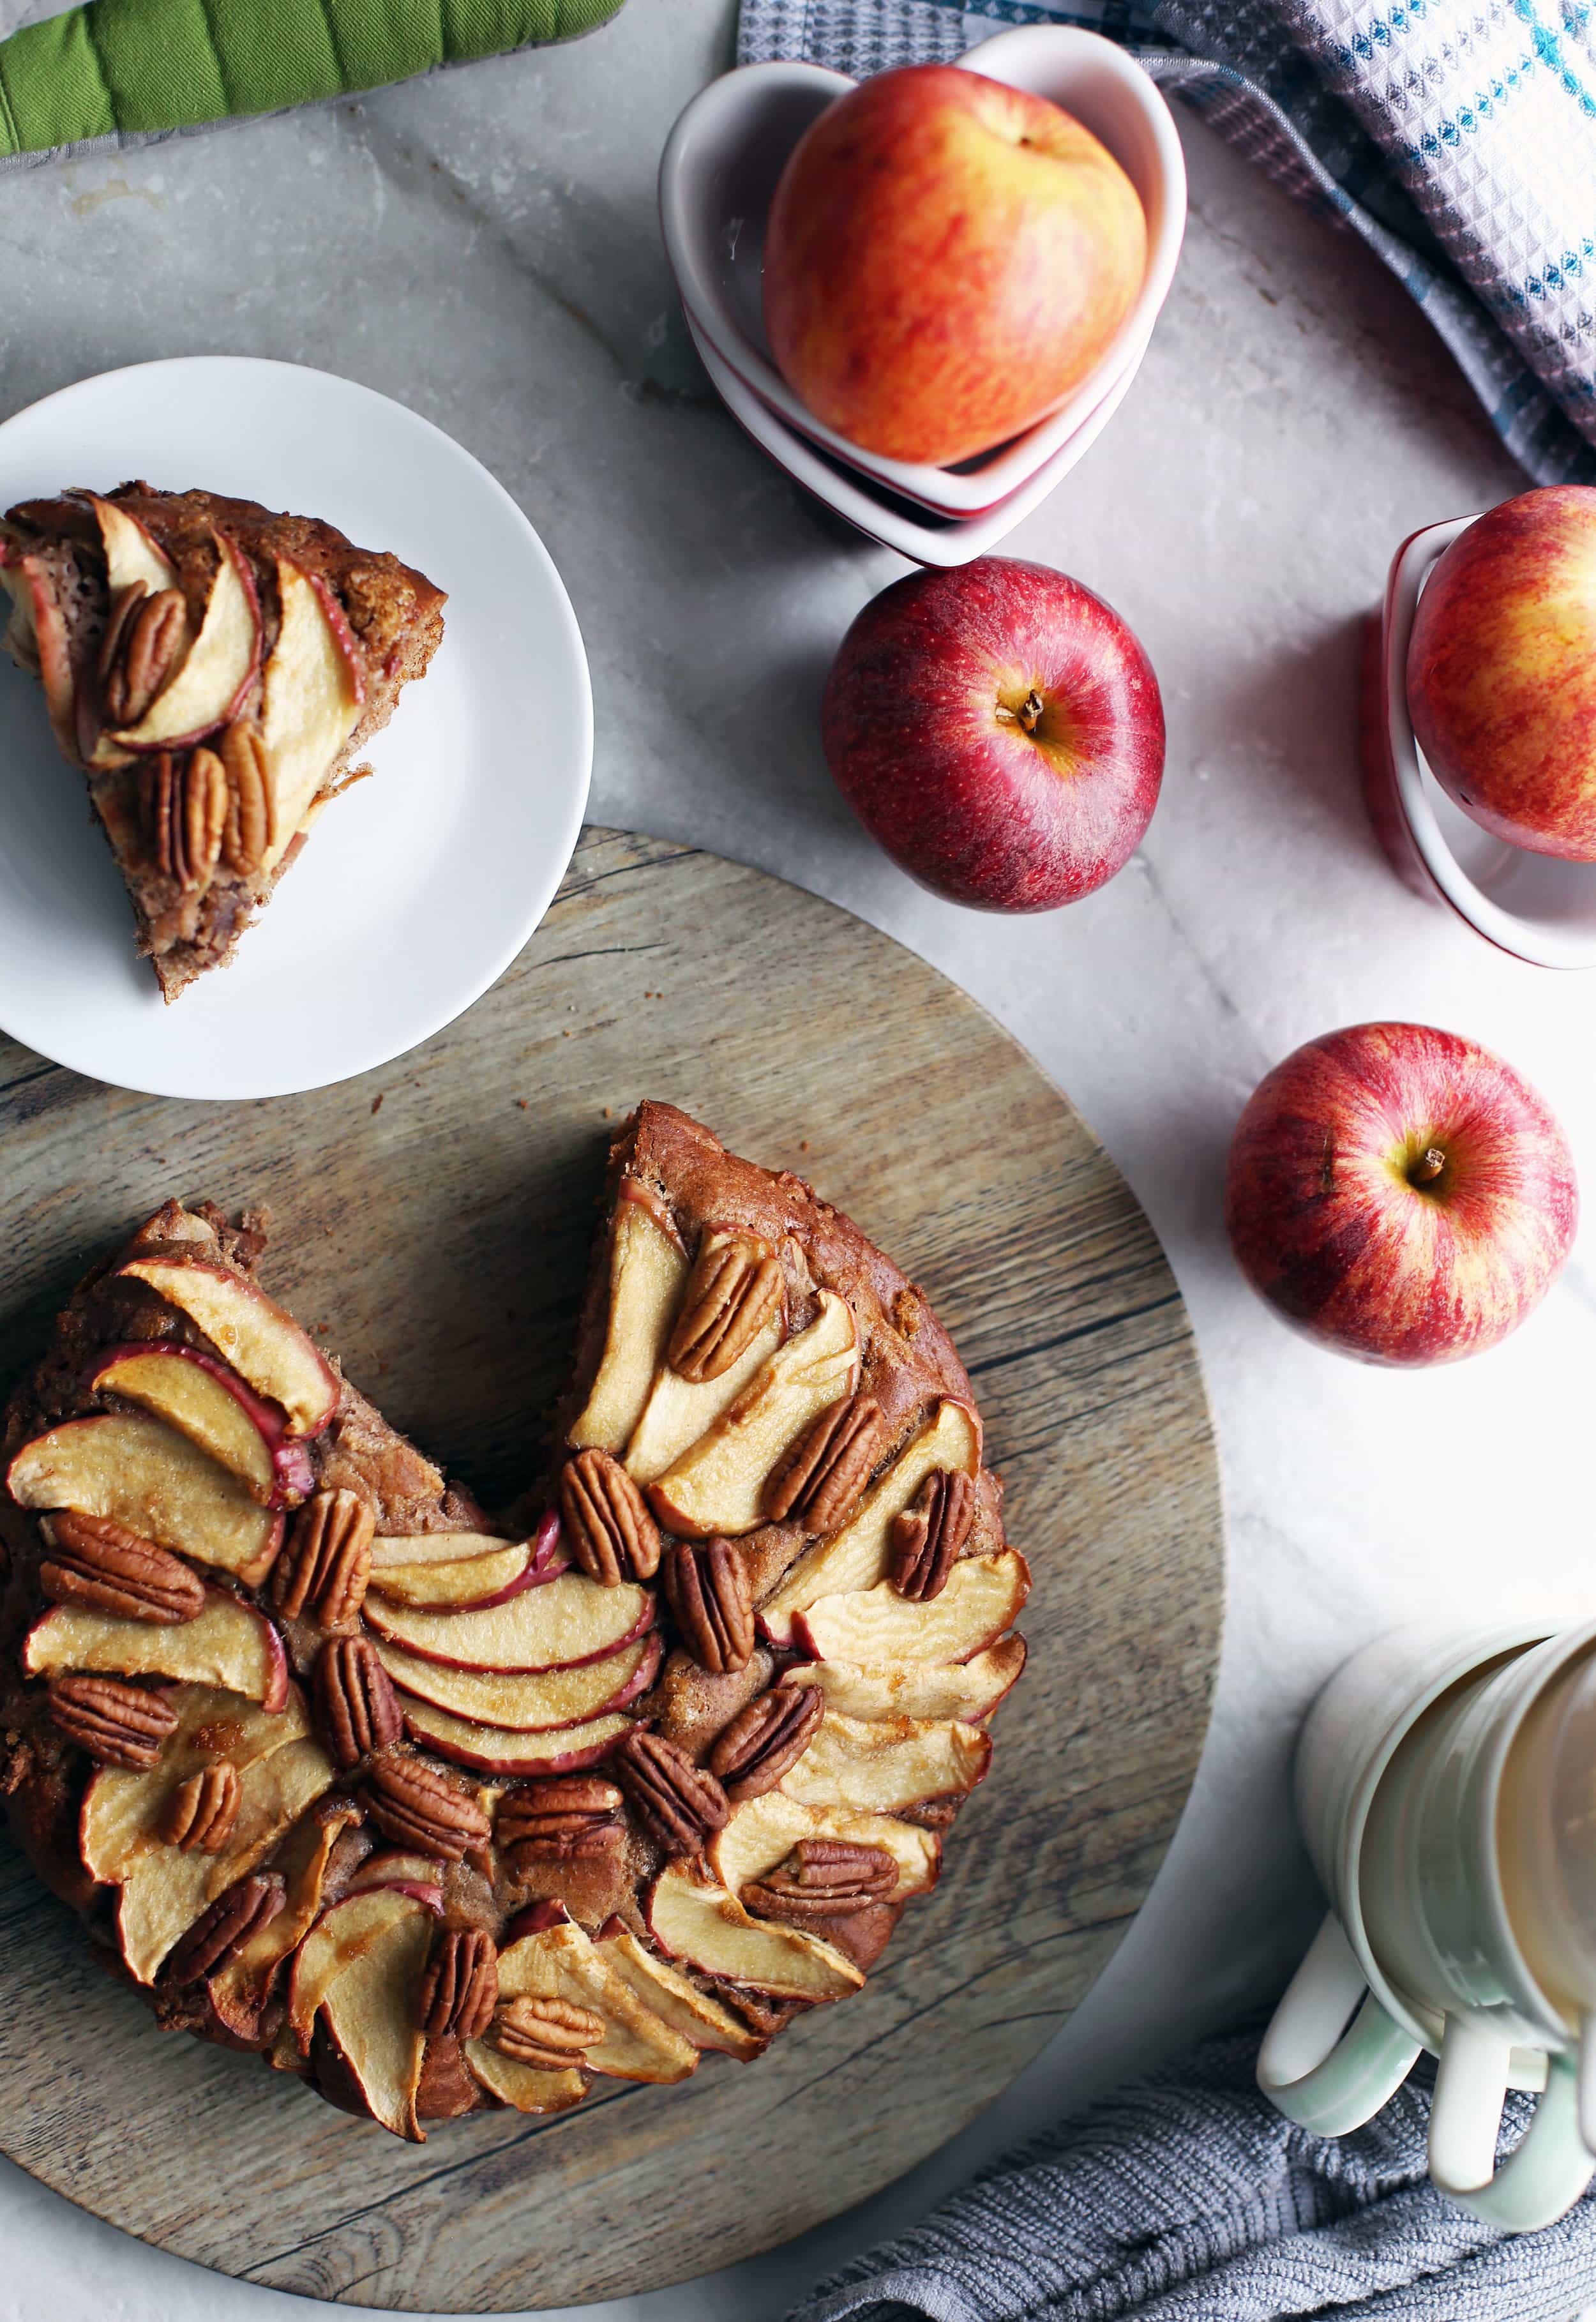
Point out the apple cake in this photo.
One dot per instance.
(213, 669)
(441, 1813)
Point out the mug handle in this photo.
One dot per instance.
(1548, 2168)
(1315, 2068)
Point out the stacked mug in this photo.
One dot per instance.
(1447, 1790)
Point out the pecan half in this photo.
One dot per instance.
(730, 1295)
(459, 1987)
(559, 1819)
(818, 1478)
(356, 1709)
(417, 1805)
(200, 1813)
(608, 1525)
(755, 1750)
(229, 1922)
(927, 1536)
(680, 1804)
(551, 2034)
(708, 1591)
(252, 823)
(94, 1562)
(182, 812)
(119, 1723)
(139, 651)
(823, 1878)
(326, 1560)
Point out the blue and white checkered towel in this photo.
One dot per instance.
(1458, 137)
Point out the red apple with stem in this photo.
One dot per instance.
(1399, 1194)
(1501, 672)
(998, 729)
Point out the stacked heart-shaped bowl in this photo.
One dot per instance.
(718, 176)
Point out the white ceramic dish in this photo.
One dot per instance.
(1537, 907)
(420, 886)
(927, 539)
(719, 171)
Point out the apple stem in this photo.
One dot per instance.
(1427, 1167)
(1028, 714)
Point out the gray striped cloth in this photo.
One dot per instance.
(1457, 137)
(1190, 2199)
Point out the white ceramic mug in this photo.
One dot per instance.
(1399, 1778)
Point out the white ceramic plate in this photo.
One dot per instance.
(417, 889)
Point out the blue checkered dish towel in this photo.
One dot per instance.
(1458, 137)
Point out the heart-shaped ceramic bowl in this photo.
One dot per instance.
(1537, 907)
(719, 171)
(914, 532)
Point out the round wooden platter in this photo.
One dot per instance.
(436, 1217)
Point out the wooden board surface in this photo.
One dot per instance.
(437, 1216)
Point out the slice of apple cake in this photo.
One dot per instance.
(441, 1813)
(215, 670)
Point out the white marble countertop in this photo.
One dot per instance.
(483, 246)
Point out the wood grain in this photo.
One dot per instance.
(437, 1215)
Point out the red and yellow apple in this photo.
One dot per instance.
(945, 260)
(998, 729)
(1501, 672)
(1399, 1194)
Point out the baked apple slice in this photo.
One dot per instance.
(241, 1987)
(529, 1705)
(341, 1934)
(677, 1411)
(140, 1472)
(228, 1644)
(764, 1832)
(560, 1963)
(250, 1332)
(310, 694)
(417, 1875)
(648, 1272)
(717, 1484)
(368, 2016)
(881, 1767)
(130, 552)
(981, 1599)
(462, 1584)
(860, 1555)
(492, 1750)
(122, 1810)
(571, 1620)
(391, 1550)
(36, 638)
(675, 2000)
(695, 1919)
(208, 685)
(164, 1890)
(969, 1690)
(213, 1408)
(525, 2088)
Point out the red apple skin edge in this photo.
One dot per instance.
(998, 731)
(1501, 672)
(1399, 1194)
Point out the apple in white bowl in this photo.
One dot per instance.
(946, 259)
(1399, 1194)
(1000, 730)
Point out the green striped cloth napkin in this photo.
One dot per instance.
(114, 70)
